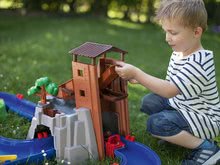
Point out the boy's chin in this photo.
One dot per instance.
(174, 49)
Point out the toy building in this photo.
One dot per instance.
(96, 101)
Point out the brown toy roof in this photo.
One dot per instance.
(91, 49)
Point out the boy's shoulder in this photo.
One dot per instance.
(203, 52)
(201, 57)
(197, 56)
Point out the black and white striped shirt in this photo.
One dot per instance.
(198, 101)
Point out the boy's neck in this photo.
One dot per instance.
(193, 49)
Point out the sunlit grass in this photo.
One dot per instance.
(125, 24)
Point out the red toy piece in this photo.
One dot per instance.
(130, 138)
(45, 134)
(20, 96)
(113, 142)
(39, 135)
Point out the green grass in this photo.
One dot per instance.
(32, 47)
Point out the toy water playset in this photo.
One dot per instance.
(84, 118)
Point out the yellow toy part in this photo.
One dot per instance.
(7, 157)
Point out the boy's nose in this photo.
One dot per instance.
(168, 38)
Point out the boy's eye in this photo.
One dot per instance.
(173, 33)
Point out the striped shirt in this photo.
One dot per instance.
(198, 101)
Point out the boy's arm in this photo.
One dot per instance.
(159, 86)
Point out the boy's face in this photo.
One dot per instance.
(181, 38)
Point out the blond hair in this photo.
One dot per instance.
(190, 13)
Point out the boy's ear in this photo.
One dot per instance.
(198, 32)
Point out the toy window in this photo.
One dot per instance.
(80, 72)
(82, 93)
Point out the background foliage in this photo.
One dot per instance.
(134, 10)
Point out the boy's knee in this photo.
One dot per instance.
(158, 124)
(154, 124)
(146, 105)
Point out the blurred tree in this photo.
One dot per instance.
(216, 18)
(72, 4)
(131, 7)
(135, 10)
(150, 11)
(32, 5)
(213, 10)
(99, 6)
(59, 6)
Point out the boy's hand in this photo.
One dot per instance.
(124, 70)
(133, 81)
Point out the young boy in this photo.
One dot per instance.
(184, 109)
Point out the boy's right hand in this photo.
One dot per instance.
(133, 81)
(125, 71)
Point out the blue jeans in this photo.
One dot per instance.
(163, 119)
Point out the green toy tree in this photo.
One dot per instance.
(43, 86)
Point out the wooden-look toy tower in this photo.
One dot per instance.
(96, 86)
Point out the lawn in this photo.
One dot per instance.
(34, 46)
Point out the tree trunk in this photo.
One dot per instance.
(43, 95)
(100, 7)
(150, 11)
